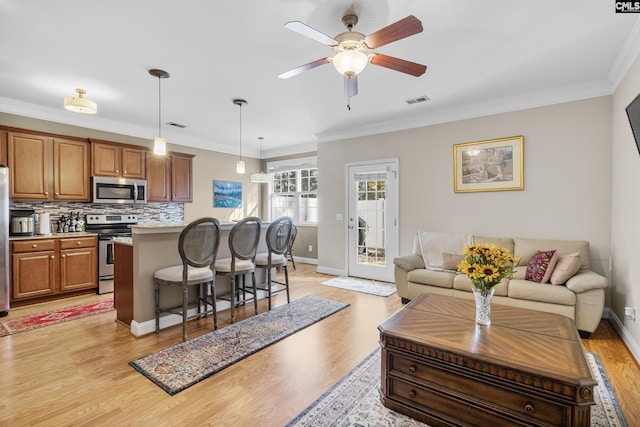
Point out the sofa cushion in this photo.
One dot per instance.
(525, 248)
(541, 265)
(542, 292)
(450, 261)
(441, 279)
(462, 283)
(565, 268)
(503, 242)
(433, 244)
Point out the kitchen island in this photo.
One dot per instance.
(152, 247)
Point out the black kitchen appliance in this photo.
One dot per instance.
(108, 226)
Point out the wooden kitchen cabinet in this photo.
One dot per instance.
(78, 263)
(3, 148)
(117, 160)
(42, 268)
(47, 168)
(33, 269)
(170, 178)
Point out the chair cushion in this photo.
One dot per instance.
(262, 259)
(224, 265)
(174, 274)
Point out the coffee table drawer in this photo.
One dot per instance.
(456, 383)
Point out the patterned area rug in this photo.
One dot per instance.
(354, 401)
(382, 289)
(34, 321)
(187, 363)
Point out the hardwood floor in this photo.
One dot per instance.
(77, 373)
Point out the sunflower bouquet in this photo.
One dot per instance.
(486, 265)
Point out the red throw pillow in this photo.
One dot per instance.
(541, 266)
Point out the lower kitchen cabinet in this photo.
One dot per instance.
(42, 268)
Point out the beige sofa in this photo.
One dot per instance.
(581, 298)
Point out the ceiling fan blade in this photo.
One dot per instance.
(398, 30)
(303, 68)
(310, 32)
(350, 86)
(396, 64)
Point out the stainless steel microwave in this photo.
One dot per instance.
(118, 190)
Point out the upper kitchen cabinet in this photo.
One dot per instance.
(47, 168)
(169, 178)
(3, 148)
(117, 160)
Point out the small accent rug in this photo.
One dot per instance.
(183, 365)
(355, 401)
(34, 321)
(366, 286)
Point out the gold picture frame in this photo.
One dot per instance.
(490, 165)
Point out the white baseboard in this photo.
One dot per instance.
(142, 328)
(332, 271)
(632, 345)
(305, 260)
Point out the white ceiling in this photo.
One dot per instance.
(483, 57)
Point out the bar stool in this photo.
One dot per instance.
(198, 247)
(278, 244)
(243, 244)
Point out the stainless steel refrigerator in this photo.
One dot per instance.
(4, 241)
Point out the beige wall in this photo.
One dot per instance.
(625, 206)
(567, 180)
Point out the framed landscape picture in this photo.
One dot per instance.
(491, 165)
(227, 194)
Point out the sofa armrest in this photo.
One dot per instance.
(586, 280)
(409, 262)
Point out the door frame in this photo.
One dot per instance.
(392, 230)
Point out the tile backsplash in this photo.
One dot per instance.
(147, 214)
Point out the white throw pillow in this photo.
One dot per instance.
(433, 244)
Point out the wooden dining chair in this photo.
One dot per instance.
(198, 246)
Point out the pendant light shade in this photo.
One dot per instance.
(240, 165)
(159, 143)
(260, 177)
(80, 104)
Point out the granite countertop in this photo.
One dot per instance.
(54, 236)
(169, 227)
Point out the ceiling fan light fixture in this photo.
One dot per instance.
(350, 62)
(80, 104)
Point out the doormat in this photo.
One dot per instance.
(355, 401)
(35, 321)
(183, 365)
(372, 287)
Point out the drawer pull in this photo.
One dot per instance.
(78, 243)
(34, 246)
(412, 369)
(412, 394)
(529, 408)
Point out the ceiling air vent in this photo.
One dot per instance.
(178, 125)
(423, 98)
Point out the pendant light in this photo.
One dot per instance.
(240, 166)
(159, 143)
(80, 104)
(261, 178)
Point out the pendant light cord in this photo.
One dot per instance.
(240, 131)
(159, 109)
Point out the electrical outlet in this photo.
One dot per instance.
(310, 248)
(339, 217)
(630, 313)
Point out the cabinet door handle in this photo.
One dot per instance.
(412, 369)
(125, 172)
(52, 257)
(529, 408)
(412, 394)
(46, 193)
(57, 194)
(63, 256)
(117, 171)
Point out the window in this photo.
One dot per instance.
(294, 190)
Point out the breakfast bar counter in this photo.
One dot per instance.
(152, 247)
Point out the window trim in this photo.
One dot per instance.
(291, 165)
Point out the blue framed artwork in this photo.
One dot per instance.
(227, 194)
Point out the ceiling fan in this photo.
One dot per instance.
(353, 50)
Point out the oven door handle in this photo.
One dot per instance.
(110, 253)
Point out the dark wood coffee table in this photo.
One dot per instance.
(527, 368)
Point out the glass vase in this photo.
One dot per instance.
(483, 305)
